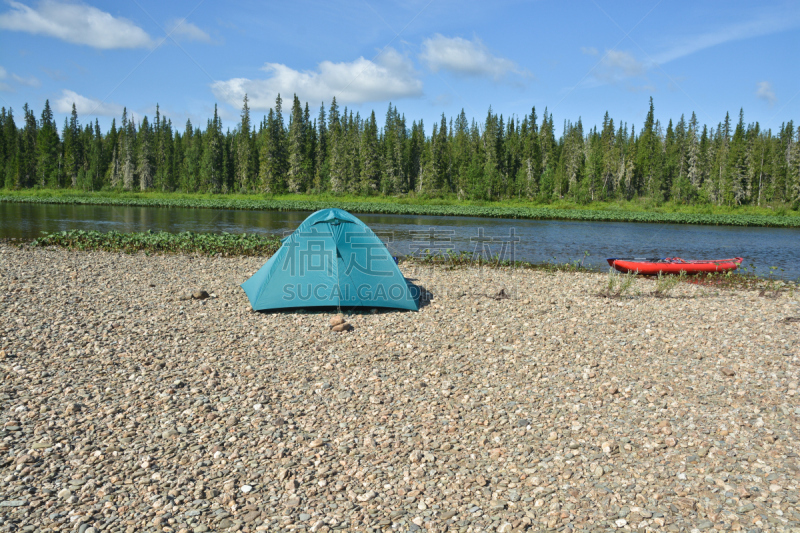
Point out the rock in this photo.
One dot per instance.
(13, 503)
(727, 372)
(200, 294)
(292, 485)
(316, 443)
(497, 505)
(367, 496)
(246, 488)
(746, 508)
(337, 320)
(342, 327)
(64, 494)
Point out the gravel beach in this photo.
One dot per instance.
(126, 407)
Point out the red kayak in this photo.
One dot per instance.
(674, 265)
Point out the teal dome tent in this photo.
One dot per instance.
(332, 260)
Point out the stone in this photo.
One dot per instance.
(200, 294)
(337, 320)
(339, 328)
(497, 505)
(246, 488)
(447, 515)
(367, 496)
(292, 502)
(13, 503)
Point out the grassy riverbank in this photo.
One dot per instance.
(161, 242)
(630, 211)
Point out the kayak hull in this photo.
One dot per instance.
(674, 266)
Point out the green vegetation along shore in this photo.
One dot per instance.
(631, 211)
(224, 244)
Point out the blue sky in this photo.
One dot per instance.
(578, 59)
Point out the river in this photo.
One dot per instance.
(766, 250)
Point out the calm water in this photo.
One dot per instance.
(534, 240)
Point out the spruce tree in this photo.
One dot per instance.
(321, 163)
(244, 150)
(144, 159)
(47, 150)
(369, 157)
(296, 178)
(27, 147)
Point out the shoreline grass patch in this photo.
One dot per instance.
(162, 242)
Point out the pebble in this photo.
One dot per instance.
(581, 413)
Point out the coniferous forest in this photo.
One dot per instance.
(337, 151)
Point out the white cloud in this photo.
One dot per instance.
(180, 29)
(75, 23)
(622, 62)
(390, 77)
(86, 106)
(30, 81)
(761, 25)
(4, 87)
(589, 50)
(468, 58)
(765, 91)
(616, 66)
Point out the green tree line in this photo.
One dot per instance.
(338, 151)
